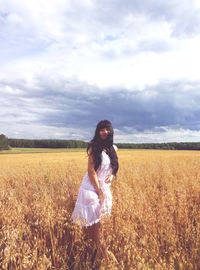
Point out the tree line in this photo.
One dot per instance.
(4, 144)
(8, 143)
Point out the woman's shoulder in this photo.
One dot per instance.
(115, 147)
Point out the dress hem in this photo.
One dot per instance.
(83, 224)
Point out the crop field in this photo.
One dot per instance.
(155, 221)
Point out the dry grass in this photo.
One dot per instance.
(155, 222)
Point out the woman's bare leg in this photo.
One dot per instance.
(104, 244)
(94, 232)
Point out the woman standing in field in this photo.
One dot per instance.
(94, 200)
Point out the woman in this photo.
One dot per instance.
(94, 200)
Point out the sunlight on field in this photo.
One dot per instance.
(155, 222)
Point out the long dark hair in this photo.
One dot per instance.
(97, 145)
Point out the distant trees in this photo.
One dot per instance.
(29, 143)
(51, 143)
(166, 146)
(4, 142)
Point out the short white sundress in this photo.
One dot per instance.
(88, 209)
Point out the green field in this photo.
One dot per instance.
(18, 150)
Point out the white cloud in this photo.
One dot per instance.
(105, 45)
(139, 52)
(170, 135)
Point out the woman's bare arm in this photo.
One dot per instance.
(91, 171)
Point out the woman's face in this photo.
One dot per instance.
(104, 132)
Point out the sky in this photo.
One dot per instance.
(68, 64)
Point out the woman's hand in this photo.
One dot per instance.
(100, 195)
(109, 178)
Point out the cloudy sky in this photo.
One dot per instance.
(67, 64)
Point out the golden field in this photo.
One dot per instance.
(155, 221)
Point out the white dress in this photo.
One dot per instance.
(88, 209)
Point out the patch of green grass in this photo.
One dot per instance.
(18, 150)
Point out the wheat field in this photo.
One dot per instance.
(155, 221)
